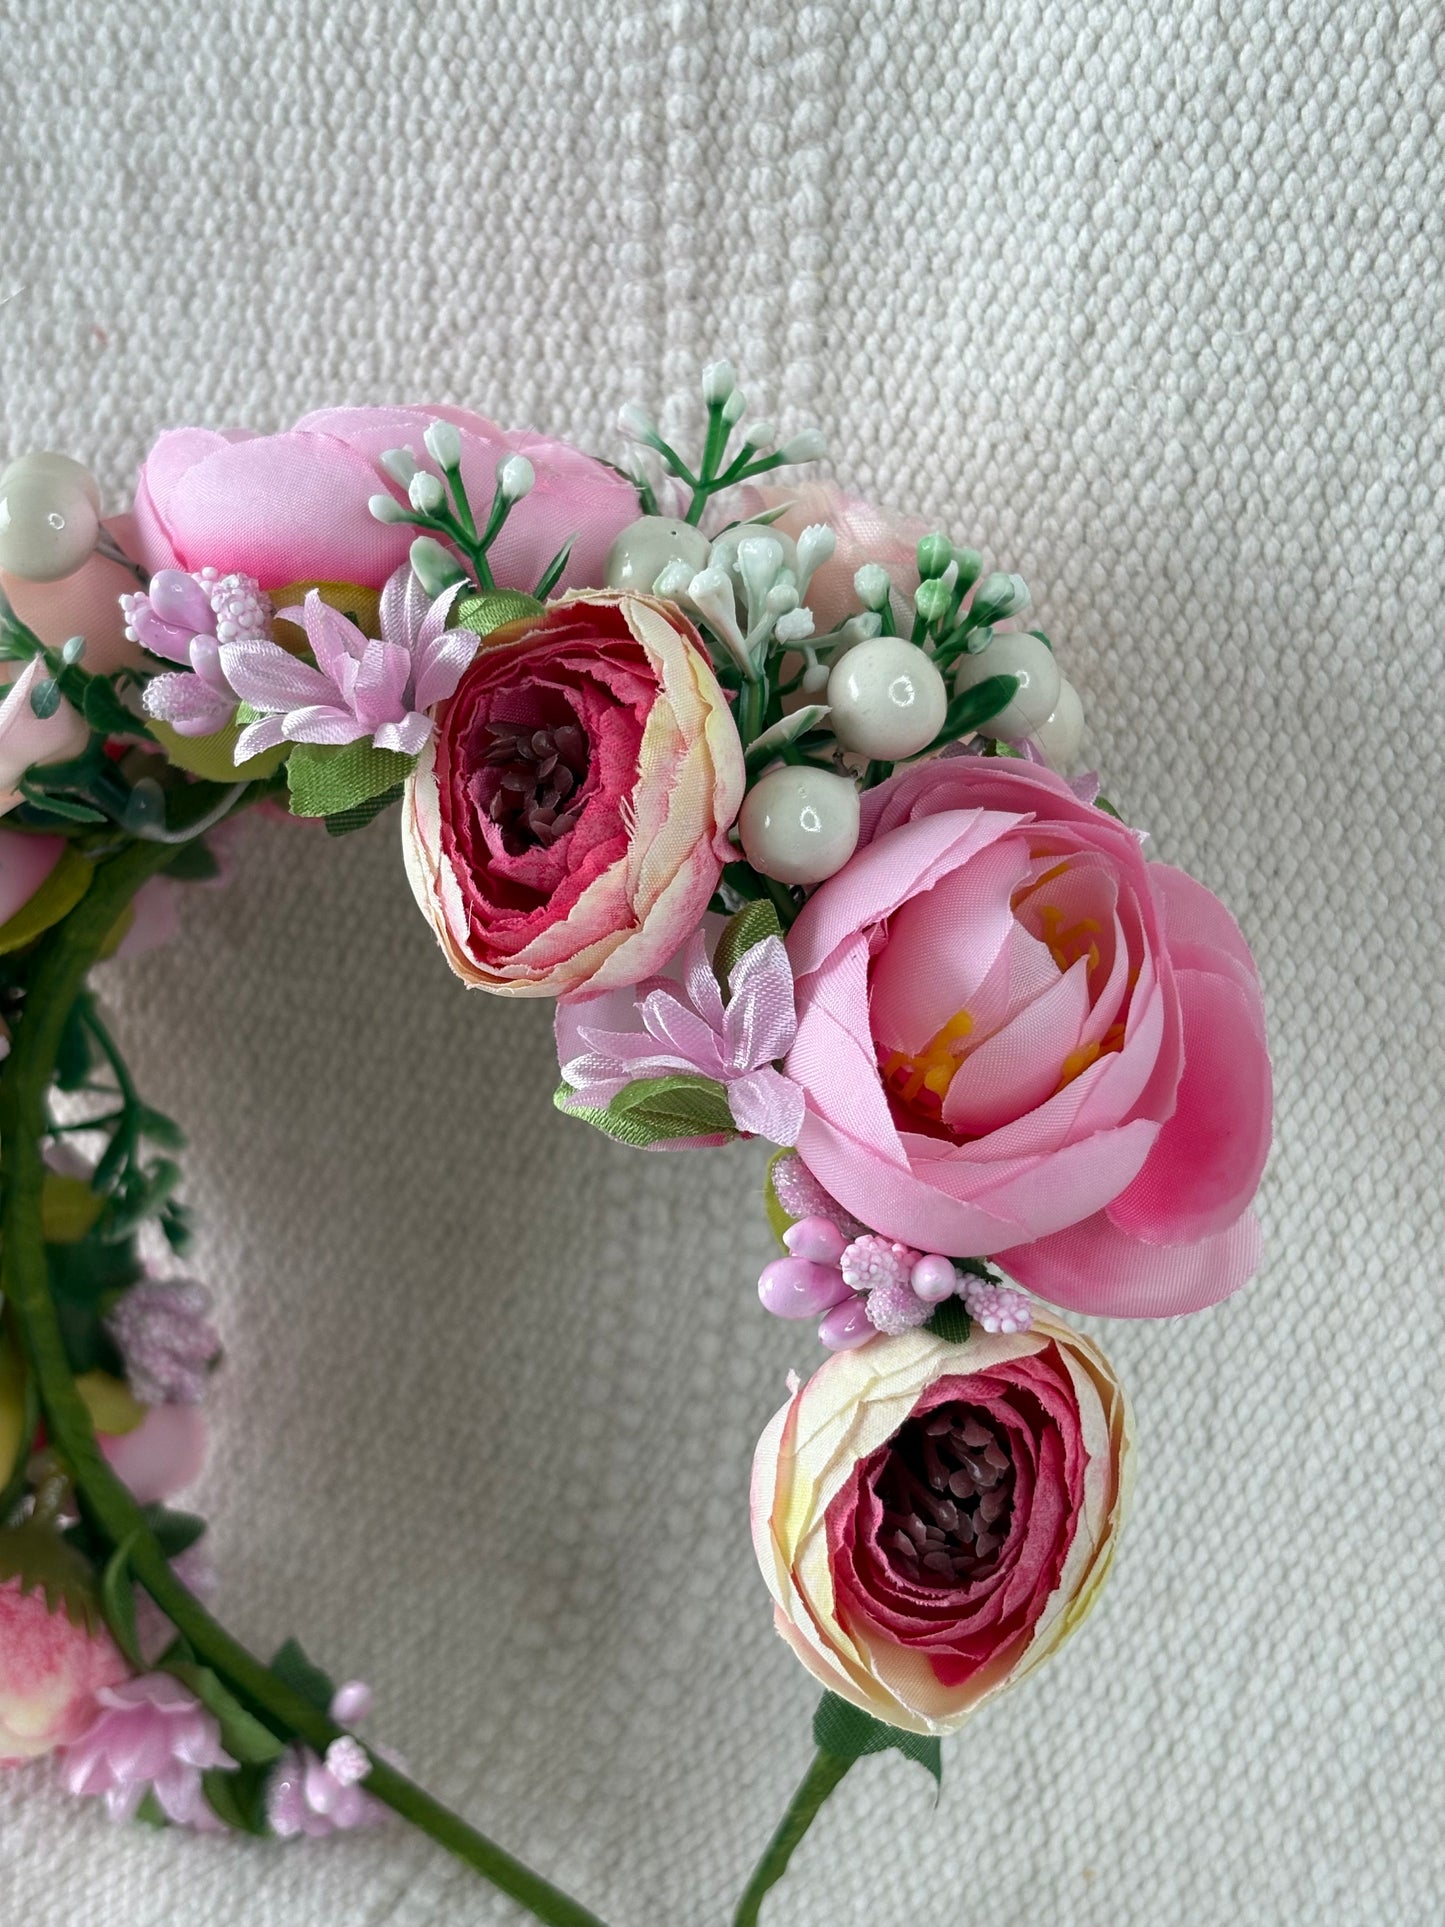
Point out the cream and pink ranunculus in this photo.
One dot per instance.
(50, 1672)
(934, 1519)
(568, 820)
(293, 507)
(1019, 1039)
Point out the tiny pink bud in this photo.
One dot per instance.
(798, 1288)
(933, 1278)
(847, 1326)
(816, 1238)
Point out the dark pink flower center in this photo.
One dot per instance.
(946, 1489)
(529, 778)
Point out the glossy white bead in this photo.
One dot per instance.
(63, 469)
(887, 699)
(645, 547)
(1037, 697)
(48, 522)
(1062, 737)
(800, 825)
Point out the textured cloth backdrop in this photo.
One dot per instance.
(1144, 299)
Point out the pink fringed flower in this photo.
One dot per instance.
(311, 1796)
(166, 1340)
(151, 1735)
(186, 619)
(362, 686)
(665, 1026)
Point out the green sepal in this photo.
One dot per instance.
(56, 898)
(848, 1733)
(748, 927)
(291, 1665)
(245, 1738)
(150, 1812)
(173, 1532)
(43, 1562)
(238, 1799)
(194, 862)
(73, 1056)
(345, 821)
(117, 1601)
(492, 609)
(325, 779)
(68, 1209)
(214, 757)
(654, 1110)
(950, 1322)
(1103, 803)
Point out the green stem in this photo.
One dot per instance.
(56, 979)
(817, 1783)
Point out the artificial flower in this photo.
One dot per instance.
(150, 1735)
(679, 1022)
(293, 507)
(863, 534)
(568, 820)
(168, 1343)
(934, 1519)
(1017, 1039)
(309, 1795)
(50, 1672)
(27, 739)
(163, 1454)
(186, 618)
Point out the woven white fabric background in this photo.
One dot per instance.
(1144, 298)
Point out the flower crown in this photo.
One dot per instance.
(774, 794)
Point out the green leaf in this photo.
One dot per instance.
(68, 1209)
(150, 1812)
(950, 1322)
(45, 697)
(291, 1665)
(103, 709)
(238, 1799)
(174, 1532)
(72, 1057)
(748, 927)
(976, 705)
(214, 757)
(654, 1110)
(159, 1128)
(1103, 803)
(194, 862)
(492, 609)
(345, 821)
(56, 898)
(325, 780)
(117, 1600)
(552, 574)
(244, 1737)
(848, 1733)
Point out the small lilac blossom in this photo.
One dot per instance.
(687, 1027)
(187, 619)
(166, 1340)
(998, 1308)
(308, 1795)
(150, 1735)
(379, 687)
(871, 1261)
(895, 1308)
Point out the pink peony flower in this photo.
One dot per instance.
(293, 507)
(1018, 1039)
(50, 1673)
(865, 534)
(26, 739)
(678, 1022)
(150, 1735)
(934, 1519)
(568, 820)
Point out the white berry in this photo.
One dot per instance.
(887, 699)
(645, 547)
(1037, 697)
(1061, 737)
(800, 825)
(48, 522)
(62, 469)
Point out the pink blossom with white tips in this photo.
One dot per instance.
(151, 1735)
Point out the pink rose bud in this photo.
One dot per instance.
(798, 1288)
(816, 1238)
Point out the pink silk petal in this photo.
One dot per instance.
(1096, 1268)
(1021, 1066)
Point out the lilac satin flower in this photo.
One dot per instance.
(187, 619)
(150, 1735)
(685, 1026)
(166, 1340)
(308, 1795)
(362, 686)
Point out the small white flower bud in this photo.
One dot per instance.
(809, 446)
(782, 598)
(444, 445)
(762, 435)
(1000, 595)
(734, 408)
(860, 628)
(425, 492)
(386, 508)
(718, 382)
(711, 594)
(816, 545)
(931, 599)
(400, 465)
(434, 567)
(873, 585)
(674, 581)
(636, 424)
(515, 478)
(794, 625)
(935, 554)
